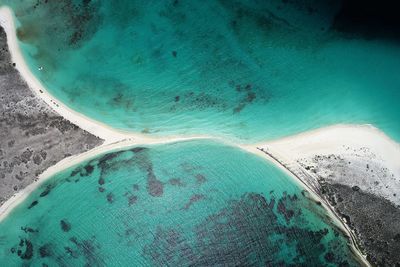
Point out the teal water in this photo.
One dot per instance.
(248, 70)
(243, 70)
(183, 204)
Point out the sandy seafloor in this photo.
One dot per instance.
(376, 197)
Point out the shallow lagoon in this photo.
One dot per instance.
(178, 205)
(248, 70)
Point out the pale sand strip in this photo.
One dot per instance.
(360, 145)
(337, 139)
(10, 204)
(96, 128)
(66, 163)
(280, 153)
(271, 157)
(324, 140)
(114, 139)
(334, 139)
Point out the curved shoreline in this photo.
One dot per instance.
(103, 131)
(316, 197)
(66, 163)
(18, 198)
(118, 139)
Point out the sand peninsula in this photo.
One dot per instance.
(356, 170)
(33, 136)
(343, 166)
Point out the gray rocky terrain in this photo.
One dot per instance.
(33, 137)
(366, 195)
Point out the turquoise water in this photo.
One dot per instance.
(183, 204)
(243, 70)
(248, 70)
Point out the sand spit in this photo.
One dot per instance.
(308, 157)
(361, 147)
(356, 170)
(32, 136)
(7, 207)
(101, 130)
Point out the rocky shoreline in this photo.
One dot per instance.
(362, 189)
(372, 217)
(356, 170)
(33, 137)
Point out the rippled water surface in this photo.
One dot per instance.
(244, 70)
(183, 204)
(250, 70)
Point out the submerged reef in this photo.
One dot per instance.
(173, 205)
(244, 69)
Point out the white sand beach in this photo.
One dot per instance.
(333, 139)
(66, 163)
(113, 139)
(98, 129)
(342, 140)
(372, 155)
(360, 145)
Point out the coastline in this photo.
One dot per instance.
(314, 195)
(113, 139)
(352, 168)
(365, 146)
(327, 140)
(14, 201)
(68, 162)
(103, 131)
(331, 139)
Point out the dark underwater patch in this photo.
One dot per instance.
(285, 207)
(200, 178)
(121, 100)
(110, 198)
(193, 199)
(25, 250)
(88, 249)
(132, 199)
(138, 149)
(34, 203)
(154, 186)
(200, 101)
(29, 230)
(46, 251)
(139, 159)
(47, 190)
(65, 225)
(243, 234)
(89, 169)
(248, 94)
